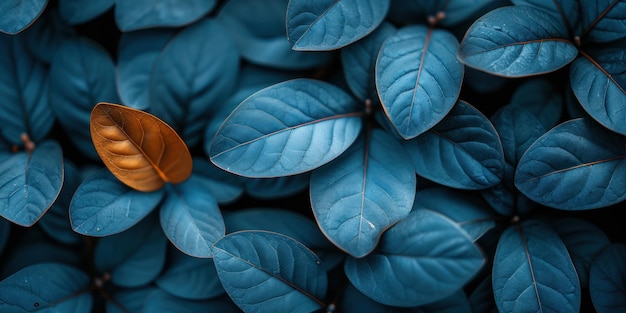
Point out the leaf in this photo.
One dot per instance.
(17, 15)
(354, 301)
(160, 301)
(423, 258)
(460, 12)
(46, 287)
(532, 271)
(463, 151)
(604, 20)
(445, 13)
(264, 271)
(191, 219)
(30, 182)
(418, 77)
(103, 206)
(599, 83)
(607, 280)
(568, 11)
(46, 35)
(517, 41)
(24, 89)
(137, 53)
(77, 12)
(189, 277)
(141, 14)
(141, 150)
(127, 300)
(359, 195)
(285, 129)
(135, 257)
(260, 37)
(329, 25)
(277, 187)
(223, 186)
(578, 165)
(82, 73)
(198, 68)
(540, 97)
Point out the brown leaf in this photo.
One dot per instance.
(141, 150)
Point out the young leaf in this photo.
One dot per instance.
(141, 14)
(359, 195)
(603, 20)
(141, 150)
(329, 24)
(189, 277)
(30, 183)
(191, 219)
(462, 151)
(17, 15)
(578, 165)
(607, 280)
(103, 206)
(46, 287)
(516, 41)
(265, 271)
(77, 12)
(533, 271)
(287, 128)
(423, 258)
(418, 78)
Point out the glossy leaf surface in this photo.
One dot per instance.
(141, 150)
(103, 206)
(264, 271)
(517, 41)
(328, 24)
(533, 271)
(141, 14)
(607, 280)
(285, 129)
(190, 218)
(30, 183)
(603, 20)
(599, 83)
(577, 165)
(462, 151)
(423, 258)
(46, 287)
(189, 277)
(17, 15)
(363, 192)
(77, 11)
(418, 77)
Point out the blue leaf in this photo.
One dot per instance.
(532, 271)
(82, 74)
(46, 35)
(287, 128)
(447, 13)
(197, 68)
(517, 41)
(463, 151)
(603, 20)
(77, 12)
(264, 271)
(418, 77)
(358, 61)
(288, 223)
(354, 301)
(134, 257)
(329, 24)
(568, 11)
(584, 241)
(160, 301)
(137, 53)
(277, 187)
(129, 300)
(362, 193)
(189, 277)
(223, 186)
(465, 208)
(541, 98)
(481, 297)
(190, 217)
(30, 183)
(456, 302)
(103, 206)
(261, 36)
(599, 82)
(462, 11)
(17, 15)
(24, 89)
(577, 165)
(141, 14)
(46, 287)
(423, 258)
(607, 281)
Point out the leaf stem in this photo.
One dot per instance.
(29, 145)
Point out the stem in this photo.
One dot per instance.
(29, 145)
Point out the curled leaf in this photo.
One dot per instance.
(141, 150)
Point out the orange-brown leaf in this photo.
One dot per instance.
(141, 150)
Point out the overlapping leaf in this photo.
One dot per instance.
(141, 14)
(603, 20)
(285, 129)
(141, 150)
(161, 301)
(418, 78)
(17, 15)
(607, 281)
(77, 11)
